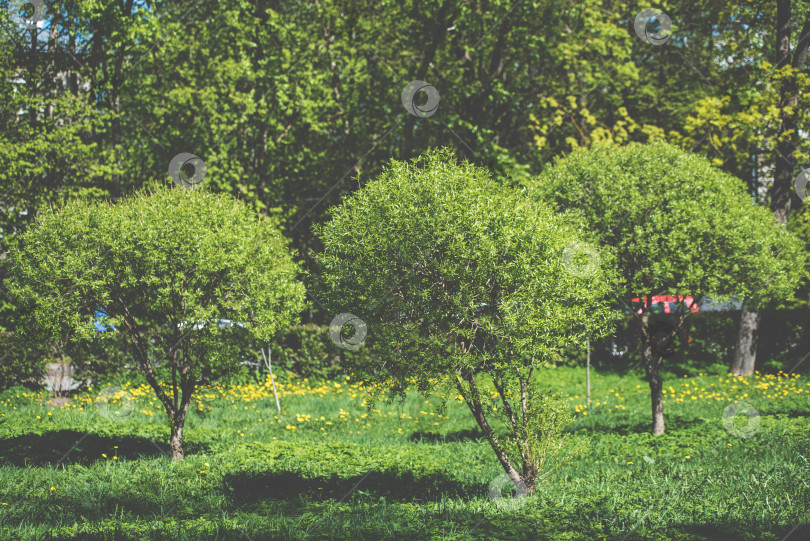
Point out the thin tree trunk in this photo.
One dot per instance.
(588, 376)
(31, 79)
(474, 403)
(783, 168)
(652, 365)
(116, 140)
(60, 393)
(179, 417)
(656, 399)
(437, 33)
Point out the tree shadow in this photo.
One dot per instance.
(247, 488)
(459, 435)
(74, 447)
(621, 429)
(673, 422)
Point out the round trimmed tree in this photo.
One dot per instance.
(187, 275)
(458, 285)
(675, 226)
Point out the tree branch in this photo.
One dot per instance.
(146, 364)
(473, 401)
(800, 56)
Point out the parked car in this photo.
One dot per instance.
(666, 304)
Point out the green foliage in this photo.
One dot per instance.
(455, 275)
(21, 362)
(799, 224)
(449, 257)
(549, 418)
(737, 124)
(308, 351)
(283, 100)
(675, 224)
(168, 266)
(169, 259)
(107, 356)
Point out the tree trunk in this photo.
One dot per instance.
(524, 483)
(176, 441)
(745, 354)
(785, 149)
(437, 33)
(588, 376)
(656, 398)
(652, 364)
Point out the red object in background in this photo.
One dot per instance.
(668, 301)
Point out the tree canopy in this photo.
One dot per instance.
(673, 225)
(167, 263)
(459, 279)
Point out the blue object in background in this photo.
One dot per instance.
(98, 321)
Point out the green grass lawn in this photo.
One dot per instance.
(331, 469)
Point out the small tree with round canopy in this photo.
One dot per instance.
(168, 265)
(675, 226)
(461, 284)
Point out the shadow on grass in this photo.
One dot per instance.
(74, 447)
(673, 422)
(246, 488)
(459, 435)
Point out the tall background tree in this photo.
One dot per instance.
(292, 105)
(751, 123)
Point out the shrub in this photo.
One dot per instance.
(168, 265)
(463, 287)
(674, 225)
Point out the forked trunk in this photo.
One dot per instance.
(525, 483)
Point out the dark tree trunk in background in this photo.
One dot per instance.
(783, 168)
(437, 32)
(745, 353)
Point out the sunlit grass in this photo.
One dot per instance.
(272, 475)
